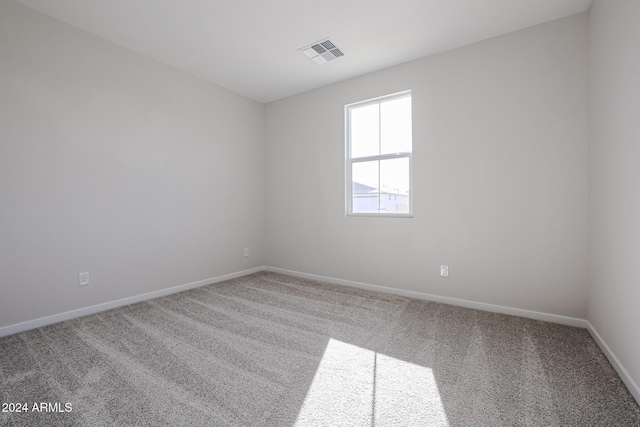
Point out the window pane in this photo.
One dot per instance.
(365, 186)
(396, 125)
(394, 188)
(380, 131)
(365, 131)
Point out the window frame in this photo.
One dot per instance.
(350, 161)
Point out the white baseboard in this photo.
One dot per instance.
(553, 318)
(44, 321)
(615, 362)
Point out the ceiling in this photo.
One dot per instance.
(252, 47)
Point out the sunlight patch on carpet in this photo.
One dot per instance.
(360, 387)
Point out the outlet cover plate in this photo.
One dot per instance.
(83, 279)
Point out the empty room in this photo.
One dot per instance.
(288, 213)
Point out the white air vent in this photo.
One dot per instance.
(322, 51)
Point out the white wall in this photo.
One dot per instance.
(500, 176)
(149, 178)
(614, 178)
(117, 165)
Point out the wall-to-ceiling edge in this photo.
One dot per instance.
(65, 92)
(114, 164)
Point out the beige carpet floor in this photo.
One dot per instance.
(273, 350)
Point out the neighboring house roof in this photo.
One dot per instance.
(360, 188)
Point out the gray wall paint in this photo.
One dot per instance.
(500, 176)
(614, 177)
(114, 164)
(149, 178)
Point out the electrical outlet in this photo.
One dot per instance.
(444, 270)
(246, 251)
(83, 279)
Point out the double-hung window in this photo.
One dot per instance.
(378, 151)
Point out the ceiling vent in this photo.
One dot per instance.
(322, 51)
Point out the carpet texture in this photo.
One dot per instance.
(273, 350)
